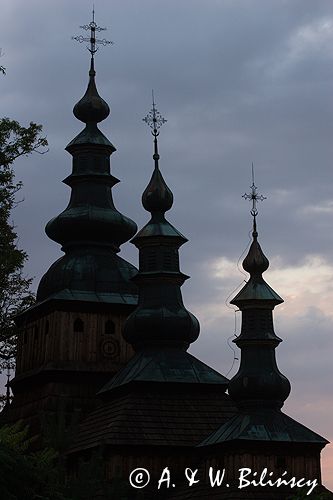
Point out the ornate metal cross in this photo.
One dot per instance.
(154, 119)
(254, 196)
(92, 26)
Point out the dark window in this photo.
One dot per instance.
(109, 328)
(35, 333)
(78, 325)
(47, 327)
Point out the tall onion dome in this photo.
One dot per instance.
(259, 435)
(90, 230)
(161, 319)
(161, 329)
(258, 382)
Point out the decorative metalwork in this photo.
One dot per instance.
(154, 119)
(254, 196)
(92, 26)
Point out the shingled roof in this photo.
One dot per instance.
(157, 414)
(264, 425)
(165, 365)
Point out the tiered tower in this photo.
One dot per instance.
(70, 342)
(260, 436)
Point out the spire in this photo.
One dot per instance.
(90, 229)
(91, 108)
(161, 318)
(157, 197)
(255, 263)
(258, 383)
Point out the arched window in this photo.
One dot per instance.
(47, 327)
(78, 325)
(109, 328)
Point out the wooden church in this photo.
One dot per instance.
(109, 343)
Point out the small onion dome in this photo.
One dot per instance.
(256, 289)
(91, 108)
(255, 262)
(157, 197)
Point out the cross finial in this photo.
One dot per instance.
(92, 26)
(254, 197)
(154, 119)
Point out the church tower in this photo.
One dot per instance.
(259, 436)
(70, 341)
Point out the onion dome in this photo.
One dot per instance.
(91, 229)
(161, 318)
(91, 108)
(157, 197)
(255, 263)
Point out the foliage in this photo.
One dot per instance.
(41, 475)
(44, 474)
(15, 294)
(27, 475)
(16, 140)
(86, 480)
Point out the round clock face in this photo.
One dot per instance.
(110, 348)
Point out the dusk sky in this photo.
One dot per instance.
(239, 81)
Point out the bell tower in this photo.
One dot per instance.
(260, 436)
(70, 341)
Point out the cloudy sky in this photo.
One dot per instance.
(239, 81)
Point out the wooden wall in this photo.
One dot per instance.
(64, 337)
